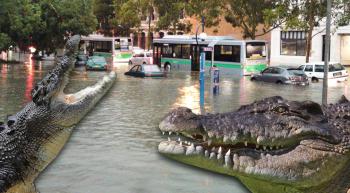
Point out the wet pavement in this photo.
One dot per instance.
(114, 148)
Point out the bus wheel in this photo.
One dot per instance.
(167, 67)
(314, 79)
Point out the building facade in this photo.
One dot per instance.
(288, 47)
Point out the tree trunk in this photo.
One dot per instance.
(308, 44)
(311, 23)
(149, 30)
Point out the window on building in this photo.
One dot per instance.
(293, 43)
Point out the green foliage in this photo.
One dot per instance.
(249, 14)
(105, 12)
(5, 42)
(210, 10)
(169, 13)
(128, 15)
(45, 23)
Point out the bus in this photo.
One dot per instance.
(118, 49)
(231, 56)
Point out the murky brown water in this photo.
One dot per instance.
(113, 149)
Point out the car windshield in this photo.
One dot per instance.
(295, 72)
(98, 59)
(151, 68)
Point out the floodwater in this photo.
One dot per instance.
(114, 148)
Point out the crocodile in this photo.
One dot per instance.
(32, 138)
(270, 145)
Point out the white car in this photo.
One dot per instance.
(142, 57)
(315, 71)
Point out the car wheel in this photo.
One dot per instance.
(253, 79)
(314, 79)
(279, 82)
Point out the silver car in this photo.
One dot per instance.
(281, 75)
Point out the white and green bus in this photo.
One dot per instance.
(118, 49)
(235, 57)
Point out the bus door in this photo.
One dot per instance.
(194, 58)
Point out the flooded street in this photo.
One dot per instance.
(114, 148)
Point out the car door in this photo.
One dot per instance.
(266, 75)
(319, 71)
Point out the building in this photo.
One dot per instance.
(289, 47)
(140, 38)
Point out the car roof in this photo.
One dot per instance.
(320, 63)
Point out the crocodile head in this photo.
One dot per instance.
(33, 137)
(272, 145)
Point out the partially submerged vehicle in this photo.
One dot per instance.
(145, 71)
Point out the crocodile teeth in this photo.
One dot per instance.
(206, 153)
(219, 156)
(179, 139)
(264, 147)
(170, 133)
(212, 155)
(228, 152)
(246, 143)
(180, 142)
(163, 133)
(220, 150)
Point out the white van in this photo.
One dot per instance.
(141, 57)
(315, 71)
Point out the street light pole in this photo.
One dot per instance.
(327, 52)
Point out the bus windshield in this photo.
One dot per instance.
(256, 50)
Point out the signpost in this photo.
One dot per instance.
(201, 80)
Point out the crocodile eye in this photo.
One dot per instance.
(280, 109)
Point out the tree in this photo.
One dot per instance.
(105, 12)
(170, 12)
(128, 15)
(250, 14)
(210, 10)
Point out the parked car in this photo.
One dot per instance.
(141, 57)
(96, 63)
(281, 75)
(81, 60)
(145, 71)
(315, 71)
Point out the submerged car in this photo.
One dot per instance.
(96, 63)
(281, 75)
(145, 71)
(315, 71)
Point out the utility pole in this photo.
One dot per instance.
(327, 49)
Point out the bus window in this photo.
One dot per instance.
(177, 51)
(186, 51)
(256, 50)
(227, 53)
(168, 51)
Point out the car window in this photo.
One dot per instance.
(301, 67)
(138, 55)
(267, 70)
(336, 67)
(134, 69)
(319, 68)
(296, 72)
(278, 71)
(308, 68)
